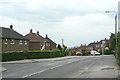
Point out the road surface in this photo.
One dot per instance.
(77, 67)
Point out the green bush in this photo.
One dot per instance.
(12, 56)
(108, 52)
(73, 53)
(86, 54)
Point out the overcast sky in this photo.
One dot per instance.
(76, 21)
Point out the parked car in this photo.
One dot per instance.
(78, 53)
(94, 53)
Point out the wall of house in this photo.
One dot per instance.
(37, 46)
(14, 47)
(34, 46)
(52, 45)
(47, 47)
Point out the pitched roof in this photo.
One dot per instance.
(49, 39)
(34, 36)
(91, 45)
(10, 34)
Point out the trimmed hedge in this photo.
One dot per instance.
(12, 56)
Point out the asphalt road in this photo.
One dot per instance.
(77, 67)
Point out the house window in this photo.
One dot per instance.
(96, 45)
(6, 41)
(12, 42)
(25, 42)
(20, 42)
(41, 43)
(46, 43)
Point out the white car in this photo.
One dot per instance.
(94, 53)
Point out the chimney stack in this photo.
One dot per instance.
(37, 32)
(11, 26)
(30, 30)
(46, 35)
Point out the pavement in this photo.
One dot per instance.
(2, 69)
(70, 67)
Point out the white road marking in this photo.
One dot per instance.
(34, 73)
(50, 64)
(69, 62)
(40, 71)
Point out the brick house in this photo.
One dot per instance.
(12, 41)
(98, 45)
(83, 48)
(92, 46)
(37, 42)
(75, 49)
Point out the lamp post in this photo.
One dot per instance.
(115, 28)
(103, 42)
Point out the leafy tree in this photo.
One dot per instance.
(113, 42)
(59, 47)
(64, 47)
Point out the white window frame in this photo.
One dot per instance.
(46, 43)
(20, 42)
(25, 42)
(96, 45)
(41, 43)
(12, 41)
(6, 41)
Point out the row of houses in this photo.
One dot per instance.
(11, 41)
(92, 46)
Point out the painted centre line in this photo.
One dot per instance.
(40, 71)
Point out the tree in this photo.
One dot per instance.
(59, 47)
(64, 47)
(112, 43)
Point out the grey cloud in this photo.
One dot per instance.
(19, 11)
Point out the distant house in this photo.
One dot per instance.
(93, 46)
(83, 48)
(12, 41)
(107, 43)
(75, 49)
(98, 45)
(37, 42)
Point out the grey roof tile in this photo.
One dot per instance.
(11, 34)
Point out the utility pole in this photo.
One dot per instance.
(115, 30)
(62, 42)
(103, 42)
(116, 34)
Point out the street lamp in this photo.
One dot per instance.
(115, 27)
(103, 42)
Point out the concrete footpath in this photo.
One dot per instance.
(2, 69)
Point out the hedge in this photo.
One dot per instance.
(12, 56)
